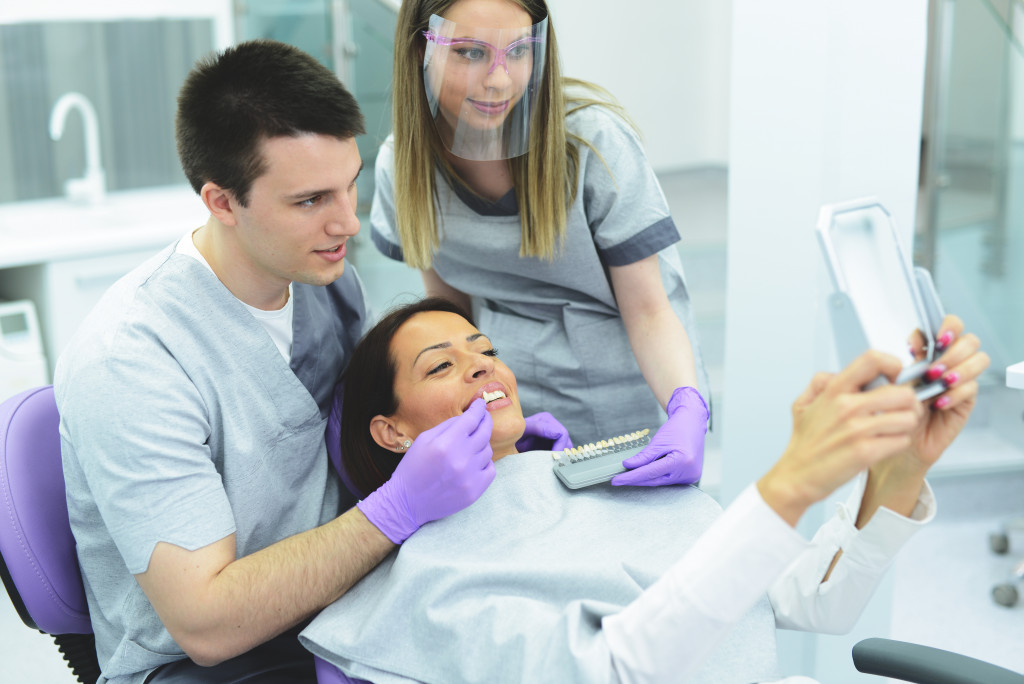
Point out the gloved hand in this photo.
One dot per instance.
(543, 432)
(446, 469)
(676, 453)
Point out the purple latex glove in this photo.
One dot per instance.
(446, 469)
(676, 453)
(543, 433)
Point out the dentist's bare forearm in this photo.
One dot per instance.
(217, 607)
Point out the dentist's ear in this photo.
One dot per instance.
(387, 435)
(218, 202)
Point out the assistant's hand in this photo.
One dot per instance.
(676, 453)
(543, 432)
(446, 469)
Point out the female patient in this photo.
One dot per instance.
(537, 583)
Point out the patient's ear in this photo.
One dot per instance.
(387, 435)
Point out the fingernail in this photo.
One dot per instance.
(944, 339)
(934, 372)
(950, 378)
(941, 403)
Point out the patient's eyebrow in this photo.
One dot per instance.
(445, 345)
(441, 345)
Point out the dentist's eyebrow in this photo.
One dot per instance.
(326, 191)
(306, 195)
(445, 345)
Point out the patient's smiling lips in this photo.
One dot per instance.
(494, 394)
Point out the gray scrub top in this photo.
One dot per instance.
(556, 323)
(181, 422)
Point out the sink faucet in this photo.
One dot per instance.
(92, 186)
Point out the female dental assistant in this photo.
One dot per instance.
(528, 198)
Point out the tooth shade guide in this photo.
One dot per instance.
(596, 462)
(594, 449)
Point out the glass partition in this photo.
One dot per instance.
(971, 223)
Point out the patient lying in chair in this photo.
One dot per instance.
(534, 582)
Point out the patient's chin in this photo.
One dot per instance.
(503, 450)
(505, 444)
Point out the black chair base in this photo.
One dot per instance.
(79, 651)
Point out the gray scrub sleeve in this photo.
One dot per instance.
(624, 204)
(155, 462)
(383, 226)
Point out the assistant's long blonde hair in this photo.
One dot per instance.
(544, 179)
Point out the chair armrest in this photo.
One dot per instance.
(926, 665)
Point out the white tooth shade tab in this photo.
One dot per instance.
(491, 396)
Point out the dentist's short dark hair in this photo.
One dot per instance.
(231, 102)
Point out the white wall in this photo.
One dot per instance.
(667, 61)
(825, 106)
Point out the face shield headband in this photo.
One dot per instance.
(481, 86)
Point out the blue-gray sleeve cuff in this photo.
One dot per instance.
(387, 248)
(650, 240)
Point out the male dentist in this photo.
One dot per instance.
(194, 398)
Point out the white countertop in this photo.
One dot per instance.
(1015, 376)
(58, 229)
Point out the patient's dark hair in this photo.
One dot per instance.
(259, 89)
(370, 391)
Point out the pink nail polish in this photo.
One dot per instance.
(934, 372)
(942, 402)
(950, 378)
(944, 339)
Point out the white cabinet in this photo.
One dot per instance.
(65, 291)
(63, 256)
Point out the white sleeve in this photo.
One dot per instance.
(671, 629)
(802, 601)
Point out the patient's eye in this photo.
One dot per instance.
(491, 352)
(439, 367)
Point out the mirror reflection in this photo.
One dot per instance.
(869, 266)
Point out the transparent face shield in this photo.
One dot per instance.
(481, 86)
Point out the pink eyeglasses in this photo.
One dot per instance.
(476, 53)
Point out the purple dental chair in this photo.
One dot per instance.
(37, 552)
(38, 564)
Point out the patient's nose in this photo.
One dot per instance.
(480, 367)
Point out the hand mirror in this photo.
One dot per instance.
(879, 301)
